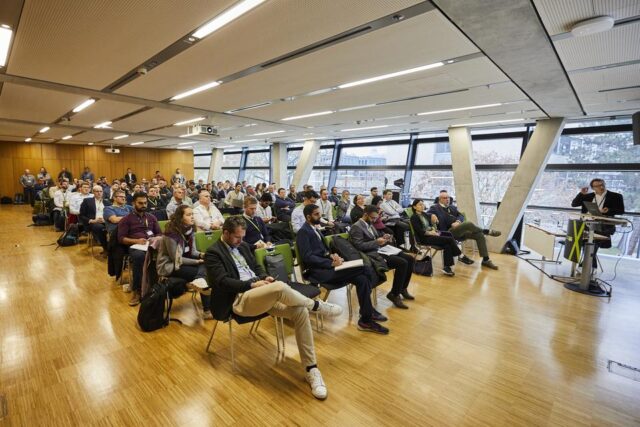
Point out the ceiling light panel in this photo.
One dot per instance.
(226, 17)
(254, 43)
(151, 119)
(101, 111)
(6, 37)
(38, 105)
(153, 25)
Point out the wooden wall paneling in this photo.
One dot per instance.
(8, 179)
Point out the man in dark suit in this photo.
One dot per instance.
(448, 218)
(130, 178)
(257, 234)
(320, 268)
(368, 240)
(241, 286)
(91, 215)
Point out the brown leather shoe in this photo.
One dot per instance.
(406, 295)
(396, 300)
(135, 299)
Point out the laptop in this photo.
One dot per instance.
(593, 209)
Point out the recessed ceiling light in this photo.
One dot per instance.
(196, 90)
(103, 125)
(304, 116)
(359, 107)
(67, 137)
(451, 110)
(364, 128)
(391, 75)
(249, 107)
(269, 133)
(5, 43)
(225, 17)
(137, 143)
(487, 123)
(592, 26)
(84, 105)
(27, 140)
(186, 122)
(91, 143)
(121, 137)
(44, 129)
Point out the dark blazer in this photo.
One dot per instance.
(88, 209)
(613, 201)
(256, 230)
(160, 204)
(362, 239)
(314, 254)
(446, 216)
(131, 180)
(356, 213)
(224, 279)
(418, 226)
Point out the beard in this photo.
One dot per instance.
(315, 221)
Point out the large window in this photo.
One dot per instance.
(258, 158)
(228, 174)
(324, 158)
(201, 161)
(318, 178)
(426, 184)
(435, 153)
(497, 151)
(393, 155)
(595, 148)
(231, 160)
(254, 176)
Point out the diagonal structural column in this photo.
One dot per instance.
(279, 164)
(215, 166)
(464, 173)
(525, 179)
(305, 163)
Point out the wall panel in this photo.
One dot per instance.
(17, 156)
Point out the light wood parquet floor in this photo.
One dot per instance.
(505, 348)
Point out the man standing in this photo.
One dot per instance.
(130, 178)
(87, 175)
(206, 215)
(136, 229)
(65, 174)
(369, 198)
(242, 287)
(449, 219)
(368, 240)
(28, 182)
(320, 267)
(61, 204)
(92, 216)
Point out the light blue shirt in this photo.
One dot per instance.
(109, 211)
(297, 218)
(241, 264)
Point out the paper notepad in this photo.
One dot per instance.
(140, 247)
(389, 250)
(350, 264)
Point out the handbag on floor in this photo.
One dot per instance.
(424, 267)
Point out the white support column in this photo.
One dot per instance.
(525, 179)
(279, 164)
(305, 163)
(464, 172)
(215, 166)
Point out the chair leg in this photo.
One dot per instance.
(254, 327)
(348, 287)
(211, 337)
(233, 353)
(374, 296)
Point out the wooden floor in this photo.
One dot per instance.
(498, 348)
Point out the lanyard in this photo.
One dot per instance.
(601, 200)
(254, 226)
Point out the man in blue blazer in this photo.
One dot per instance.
(320, 266)
(91, 215)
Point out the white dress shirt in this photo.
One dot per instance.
(264, 213)
(326, 210)
(391, 208)
(206, 218)
(75, 201)
(599, 199)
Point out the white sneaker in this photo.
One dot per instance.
(201, 283)
(328, 309)
(126, 288)
(318, 389)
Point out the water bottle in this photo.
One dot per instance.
(407, 241)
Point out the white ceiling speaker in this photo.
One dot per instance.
(592, 26)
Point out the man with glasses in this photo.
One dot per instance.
(92, 216)
(136, 229)
(119, 209)
(206, 215)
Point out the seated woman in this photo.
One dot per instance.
(358, 210)
(427, 234)
(178, 256)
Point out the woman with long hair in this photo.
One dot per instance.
(358, 210)
(178, 256)
(427, 234)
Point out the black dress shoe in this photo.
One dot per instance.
(406, 295)
(465, 259)
(396, 300)
(378, 317)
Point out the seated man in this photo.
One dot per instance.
(76, 199)
(241, 286)
(297, 216)
(449, 219)
(177, 200)
(232, 197)
(92, 216)
(154, 201)
(284, 206)
(320, 268)
(136, 229)
(257, 235)
(61, 199)
(206, 215)
(367, 239)
(115, 212)
(264, 209)
(392, 210)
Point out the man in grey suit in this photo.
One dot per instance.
(367, 239)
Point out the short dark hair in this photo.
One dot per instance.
(266, 198)
(369, 209)
(233, 222)
(415, 202)
(324, 189)
(376, 200)
(308, 210)
(334, 188)
(310, 194)
(374, 189)
(595, 180)
(444, 191)
(281, 189)
(139, 195)
(387, 191)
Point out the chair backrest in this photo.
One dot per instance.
(163, 225)
(226, 215)
(298, 257)
(204, 239)
(329, 238)
(284, 250)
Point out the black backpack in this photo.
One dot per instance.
(155, 307)
(345, 249)
(6, 200)
(19, 199)
(41, 219)
(69, 237)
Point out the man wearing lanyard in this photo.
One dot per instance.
(257, 235)
(91, 216)
(242, 287)
(136, 229)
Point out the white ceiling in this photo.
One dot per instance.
(91, 44)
